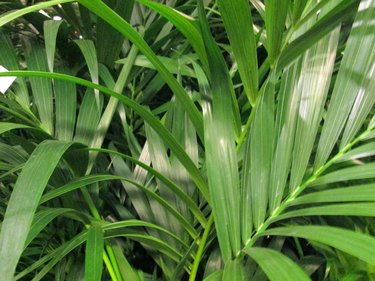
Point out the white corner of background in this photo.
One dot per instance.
(5, 81)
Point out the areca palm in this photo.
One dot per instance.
(166, 140)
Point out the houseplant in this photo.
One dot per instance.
(144, 137)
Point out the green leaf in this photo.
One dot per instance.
(362, 151)
(259, 6)
(286, 120)
(88, 118)
(51, 27)
(66, 106)
(45, 216)
(352, 209)
(89, 52)
(42, 88)
(174, 66)
(161, 163)
(127, 271)
(234, 271)
(321, 28)
(314, 81)
(138, 223)
(298, 7)
(238, 23)
(19, 13)
(186, 135)
(112, 105)
(183, 195)
(167, 137)
(353, 80)
(365, 171)
(109, 41)
(361, 108)
(27, 191)
(76, 184)
(215, 276)
(94, 254)
(103, 11)
(81, 182)
(356, 244)
(6, 127)
(275, 17)
(13, 155)
(170, 209)
(355, 193)
(56, 256)
(9, 59)
(150, 241)
(220, 133)
(186, 25)
(277, 266)
(258, 155)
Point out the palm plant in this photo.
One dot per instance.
(188, 140)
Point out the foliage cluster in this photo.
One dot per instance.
(187, 140)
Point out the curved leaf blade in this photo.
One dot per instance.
(238, 23)
(103, 11)
(352, 209)
(356, 70)
(94, 254)
(27, 191)
(364, 171)
(356, 244)
(345, 194)
(277, 266)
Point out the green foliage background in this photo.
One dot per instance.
(187, 140)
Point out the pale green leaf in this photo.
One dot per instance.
(364, 192)
(352, 81)
(316, 72)
(322, 27)
(351, 209)
(356, 244)
(173, 65)
(258, 155)
(220, 132)
(277, 266)
(362, 151)
(286, 120)
(365, 171)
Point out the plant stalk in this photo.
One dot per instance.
(202, 244)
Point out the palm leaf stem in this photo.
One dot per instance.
(202, 245)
